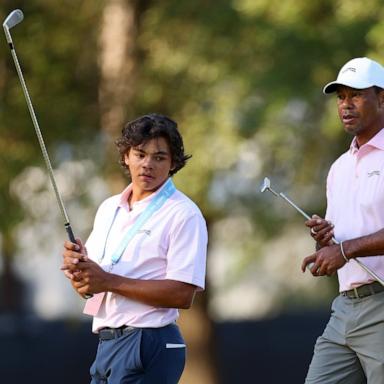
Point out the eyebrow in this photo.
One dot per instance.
(156, 153)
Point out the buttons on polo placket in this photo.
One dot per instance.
(357, 167)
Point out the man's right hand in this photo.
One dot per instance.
(86, 276)
(321, 231)
(72, 255)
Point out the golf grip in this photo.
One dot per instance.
(70, 234)
(72, 239)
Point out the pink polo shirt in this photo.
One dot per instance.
(355, 198)
(172, 244)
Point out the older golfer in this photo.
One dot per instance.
(351, 349)
(144, 259)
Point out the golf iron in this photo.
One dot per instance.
(266, 186)
(14, 18)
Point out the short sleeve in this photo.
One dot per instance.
(186, 257)
(329, 187)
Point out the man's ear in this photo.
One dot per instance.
(381, 98)
(126, 161)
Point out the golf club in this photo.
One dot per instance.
(266, 186)
(14, 18)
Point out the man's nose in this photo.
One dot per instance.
(347, 102)
(148, 162)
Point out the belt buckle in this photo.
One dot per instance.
(373, 289)
(119, 332)
(356, 292)
(105, 334)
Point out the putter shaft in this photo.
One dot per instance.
(290, 202)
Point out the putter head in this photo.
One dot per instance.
(266, 185)
(14, 18)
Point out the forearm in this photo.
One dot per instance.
(157, 293)
(370, 245)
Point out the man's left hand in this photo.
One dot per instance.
(87, 277)
(326, 261)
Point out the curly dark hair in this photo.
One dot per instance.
(151, 126)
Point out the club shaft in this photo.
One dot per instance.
(8, 36)
(289, 201)
(370, 272)
(59, 200)
(362, 265)
(41, 142)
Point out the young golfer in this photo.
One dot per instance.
(144, 259)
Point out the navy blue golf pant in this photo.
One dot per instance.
(142, 355)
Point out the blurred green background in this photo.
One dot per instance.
(243, 78)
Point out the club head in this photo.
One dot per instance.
(266, 185)
(14, 18)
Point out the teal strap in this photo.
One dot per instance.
(155, 204)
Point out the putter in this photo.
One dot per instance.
(266, 186)
(14, 18)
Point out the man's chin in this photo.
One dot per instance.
(151, 186)
(352, 129)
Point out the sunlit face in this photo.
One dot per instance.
(360, 111)
(149, 165)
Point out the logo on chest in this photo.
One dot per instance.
(146, 231)
(373, 173)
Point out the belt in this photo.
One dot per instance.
(114, 333)
(363, 290)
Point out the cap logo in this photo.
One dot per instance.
(349, 69)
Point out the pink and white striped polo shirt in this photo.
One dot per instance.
(172, 244)
(355, 203)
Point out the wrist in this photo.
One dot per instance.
(343, 252)
(108, 282)
(115, 284)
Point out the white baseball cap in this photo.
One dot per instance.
(359, 73)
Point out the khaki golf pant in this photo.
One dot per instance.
(351, 349)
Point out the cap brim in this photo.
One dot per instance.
(332, 86)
